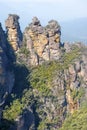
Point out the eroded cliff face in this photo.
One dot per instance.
(53, 97)
(6, 75)
(75, 78)
(13, 31)
(43, 42)
(56, 79)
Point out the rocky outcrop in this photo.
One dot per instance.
(68, 84)
(43, 42)
(76, 86)
(48, 100)
(54, 107)
(13, 31)
(6, 75)
(3, 39)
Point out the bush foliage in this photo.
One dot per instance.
(77, 121)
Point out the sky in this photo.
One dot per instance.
(45, 10)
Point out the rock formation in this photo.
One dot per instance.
(43, 42)
(46, 92)
(13, 31)
(6, 76)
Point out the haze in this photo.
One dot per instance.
(61, 10)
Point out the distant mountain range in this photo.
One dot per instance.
(75, 30)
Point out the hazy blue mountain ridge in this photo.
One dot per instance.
(75, 30)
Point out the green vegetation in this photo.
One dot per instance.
(20, 96)
(42, 125)
(13, 111)
(38, 79)
(17, 106)
(48, 123)
(77, 93)
(69, 58)
(77, 121)
(24, 50)
(41, 77)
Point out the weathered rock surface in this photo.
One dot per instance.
(69, 84)
(6, 75)
(3, 41)
(43, 42)
(13, 31)
(75, 78)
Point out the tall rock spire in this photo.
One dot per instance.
(13, 31)
(43, 42)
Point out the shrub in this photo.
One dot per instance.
(41, 76)
(77, 121)
(13, 111)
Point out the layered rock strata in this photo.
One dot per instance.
(43, 42)
(68, 87)
(13, 31)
